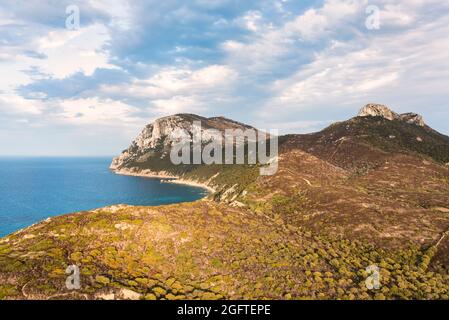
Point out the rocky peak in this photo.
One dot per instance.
(413, 118)
(379, 110)
(160, 135)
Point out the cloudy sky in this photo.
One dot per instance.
(287, 64)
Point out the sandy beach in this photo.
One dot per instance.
(164, 175)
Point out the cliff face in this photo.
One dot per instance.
(379, 110)
(157, 138)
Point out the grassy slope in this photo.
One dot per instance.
(202, 250)
(349, 144)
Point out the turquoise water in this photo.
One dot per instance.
(33, 189)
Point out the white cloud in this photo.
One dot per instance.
(404, 68)
(71, 51)
(269, 45)
(176, 90)
(397, 13)
(170, 82)
(94, 111)
(314, 23)
(14, 104)
(179, 104)
(120, 12)
(59, 54)
(252, 21)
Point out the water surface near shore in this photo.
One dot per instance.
(33, 189)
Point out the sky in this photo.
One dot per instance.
(87, 89)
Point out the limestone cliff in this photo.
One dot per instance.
(156, 139)
(378, 110)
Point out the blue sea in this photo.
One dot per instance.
(33, 189)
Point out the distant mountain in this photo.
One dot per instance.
(369, 191)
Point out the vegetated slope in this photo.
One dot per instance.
(382, 181)
(202, 250)
(403, 201)
(359, 193)
(364, 141)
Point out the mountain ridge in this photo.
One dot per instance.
(371, 115)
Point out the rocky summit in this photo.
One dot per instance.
(369, 192)
(159, 136)
(379, 110)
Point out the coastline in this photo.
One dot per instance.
(164, 175)
(145, 174)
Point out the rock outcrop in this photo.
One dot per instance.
(379, 110)
(413, 118)
(157, 138)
